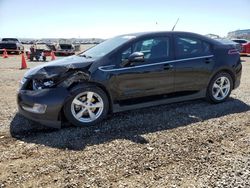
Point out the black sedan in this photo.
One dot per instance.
(127, 72)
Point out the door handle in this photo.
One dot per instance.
(208, 60)
(168, 66)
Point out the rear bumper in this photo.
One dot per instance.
(238, 77)
(52, 98)
(247, 54)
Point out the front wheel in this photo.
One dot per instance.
(220, 88)
(87, 106)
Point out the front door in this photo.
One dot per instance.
(152, 77)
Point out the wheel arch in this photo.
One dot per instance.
(226, 70)
(77, 85)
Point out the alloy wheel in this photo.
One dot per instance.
(221, 88)
(87, 106)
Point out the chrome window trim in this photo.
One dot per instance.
(102, 68)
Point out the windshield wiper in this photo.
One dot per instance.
(84, 55)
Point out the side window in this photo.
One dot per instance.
(154, 49)
(126, 53)
(191, 47)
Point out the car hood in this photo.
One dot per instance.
(58, 67)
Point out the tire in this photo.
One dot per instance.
(219, 88)
(80, 108)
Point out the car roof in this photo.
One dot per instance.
(145, 34)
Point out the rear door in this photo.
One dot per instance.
(194, 63)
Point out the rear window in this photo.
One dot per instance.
(226, 41)
(191, 47)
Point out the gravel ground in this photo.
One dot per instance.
(188, 144)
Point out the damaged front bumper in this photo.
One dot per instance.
(43, 106)
(44, 89)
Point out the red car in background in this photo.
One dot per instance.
(245, 44)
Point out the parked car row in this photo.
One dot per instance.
(63, 47)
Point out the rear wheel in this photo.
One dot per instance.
(87, 106)
(220, 88)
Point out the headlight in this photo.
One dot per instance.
(42, 84)
(48, 83)
(23, 81)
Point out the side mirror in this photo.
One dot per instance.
(136, 57)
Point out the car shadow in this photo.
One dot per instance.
(129, 125)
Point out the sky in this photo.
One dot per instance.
(107, 18)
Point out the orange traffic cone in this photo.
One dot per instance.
(53, 57)
(5, 54)
(23, 63)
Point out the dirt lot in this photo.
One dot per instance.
(189, 144)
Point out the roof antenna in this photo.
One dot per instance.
(175, 24)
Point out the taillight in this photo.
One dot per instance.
(233, 51)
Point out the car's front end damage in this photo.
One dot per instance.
(44, 89)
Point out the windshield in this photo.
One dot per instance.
(106, 47)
